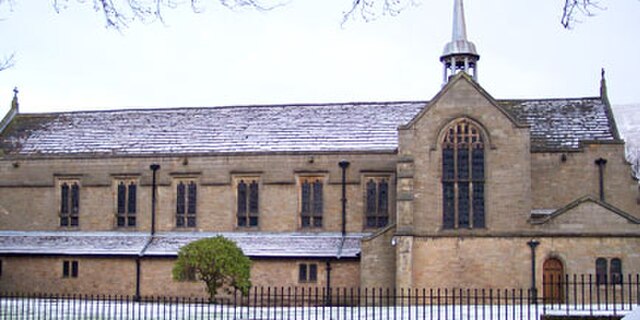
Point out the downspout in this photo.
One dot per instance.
(344, 164)
(328, 266)
(534, 291)
(154, 167)
(601, 162)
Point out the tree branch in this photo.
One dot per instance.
(7, 62)
(371, 10)
(574, 8)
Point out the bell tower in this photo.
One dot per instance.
(459, 54)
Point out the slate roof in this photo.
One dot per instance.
(556, 124)
(258, 244)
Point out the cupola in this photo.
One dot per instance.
(459, 54)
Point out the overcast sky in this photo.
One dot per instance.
(299, 53)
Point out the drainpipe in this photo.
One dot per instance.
(534, 291)
(154, 167)
(344, 164)
(328, 302)
(600, 162)
(137, 296)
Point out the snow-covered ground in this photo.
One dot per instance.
(628, 121)
(19, 308)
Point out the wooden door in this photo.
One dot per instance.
(553, 281)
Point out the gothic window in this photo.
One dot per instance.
(376, 202)
(69, 203)
(601, 271)
(69, 269)
(308, 272)
(186, 199)
(126, 207)
(616, 271)
(463, 177)
(247, 211)
(311, 202)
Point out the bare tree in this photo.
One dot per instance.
(119, 13)
(573, 9)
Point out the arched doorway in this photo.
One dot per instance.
(553, 281)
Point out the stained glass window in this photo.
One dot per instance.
(463, 177)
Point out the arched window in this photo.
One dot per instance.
(601, 271)
(463, 176)
(616, 271)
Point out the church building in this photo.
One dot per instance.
(461, 191)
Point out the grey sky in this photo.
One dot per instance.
(300, 53)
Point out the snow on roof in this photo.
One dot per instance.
(558, 124)
(258, 244)
(329, 127)
(72, 243)
(555, 124)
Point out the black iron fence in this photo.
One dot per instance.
(568, 295)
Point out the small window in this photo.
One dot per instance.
(377, 202)
(0, 268)
(308, 272)
(69, 269)
(186, 199)
(189, 274)
(601, 271)
(616, 271)
(69, 203)
(247, 210)
(126, 203)
(311, 202)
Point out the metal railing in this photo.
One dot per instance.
(567, 295)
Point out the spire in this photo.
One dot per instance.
(459, 25)
(459, 54)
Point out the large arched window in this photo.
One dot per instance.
(463, 176)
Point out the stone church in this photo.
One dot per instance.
(461, 191)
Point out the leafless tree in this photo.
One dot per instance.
(573, 9)
(7, 62)
(119, 13)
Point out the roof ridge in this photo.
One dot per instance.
(285, 105)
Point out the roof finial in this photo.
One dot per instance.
(603, 84)
(459, 54)
(14, 102)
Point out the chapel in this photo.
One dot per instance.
(461, 191)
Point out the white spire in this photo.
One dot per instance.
(459, 54)
(459, 25)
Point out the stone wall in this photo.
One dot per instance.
(507, 161)
(117, 276)
(505, 262)
(559, 178)
(45, 275)
(29, 199)
(378, 261)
